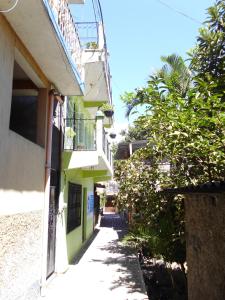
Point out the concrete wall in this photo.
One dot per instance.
(205, 225)
(21, 191)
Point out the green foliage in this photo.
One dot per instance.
(208, 58)
(106, 106)
(157, 220)
(174, 77)
(102, 200)
(134, 133)
(184, 123)
(92, 45)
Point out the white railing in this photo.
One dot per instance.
(93, 42)
(67, 27)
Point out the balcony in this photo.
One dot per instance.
(79, 134)
(96, 65)
(47, 30)
(86, 146)
(68, 30)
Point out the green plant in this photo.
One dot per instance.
(70, 133)
(106, 106)
(92, 45)
(102, 200)
(184, 124)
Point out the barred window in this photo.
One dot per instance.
(74, 206)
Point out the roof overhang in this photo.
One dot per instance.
(35, 25)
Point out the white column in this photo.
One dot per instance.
(101, 40)
(99, 131)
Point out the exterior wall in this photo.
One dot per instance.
(21, 191)
(21, 161)
(74, 238)
(68, 245)
(205, 226)
(20, 255)
(74, 165)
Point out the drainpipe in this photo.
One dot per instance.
(47, 191)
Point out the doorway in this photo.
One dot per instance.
(54, 185)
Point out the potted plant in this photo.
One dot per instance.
(70, 133)
(69, 138)
(107, 109)
(80, 146)
(112, 135)
(91, 45)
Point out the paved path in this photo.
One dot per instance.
(107, 270)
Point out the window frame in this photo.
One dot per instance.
(74, 206)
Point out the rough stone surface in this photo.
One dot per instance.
(20, 256)
(205, 226)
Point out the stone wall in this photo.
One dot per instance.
(20, 256)
(205, 226)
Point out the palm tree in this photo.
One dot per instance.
(175, 74)
(174, 77)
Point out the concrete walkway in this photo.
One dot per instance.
(107, 270)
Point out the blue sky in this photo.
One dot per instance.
(139, 32)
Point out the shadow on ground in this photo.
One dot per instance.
(162, 283)
(122, 261)
(122, 257)
(116, 222)
(81, 253)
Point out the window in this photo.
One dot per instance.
(24, 106)
(74, 207)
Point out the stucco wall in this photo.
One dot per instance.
(205, 226)
(20, 253)
(22, 167)
(21, 161)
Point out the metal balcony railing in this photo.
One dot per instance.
(92, 38)
(79, 134)
(88, 34)
(68, 29)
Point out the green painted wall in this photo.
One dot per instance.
(74, 238)
(86, 178)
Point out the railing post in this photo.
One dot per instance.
(101, 37)
(99, 131)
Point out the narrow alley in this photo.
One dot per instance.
(105, 269)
